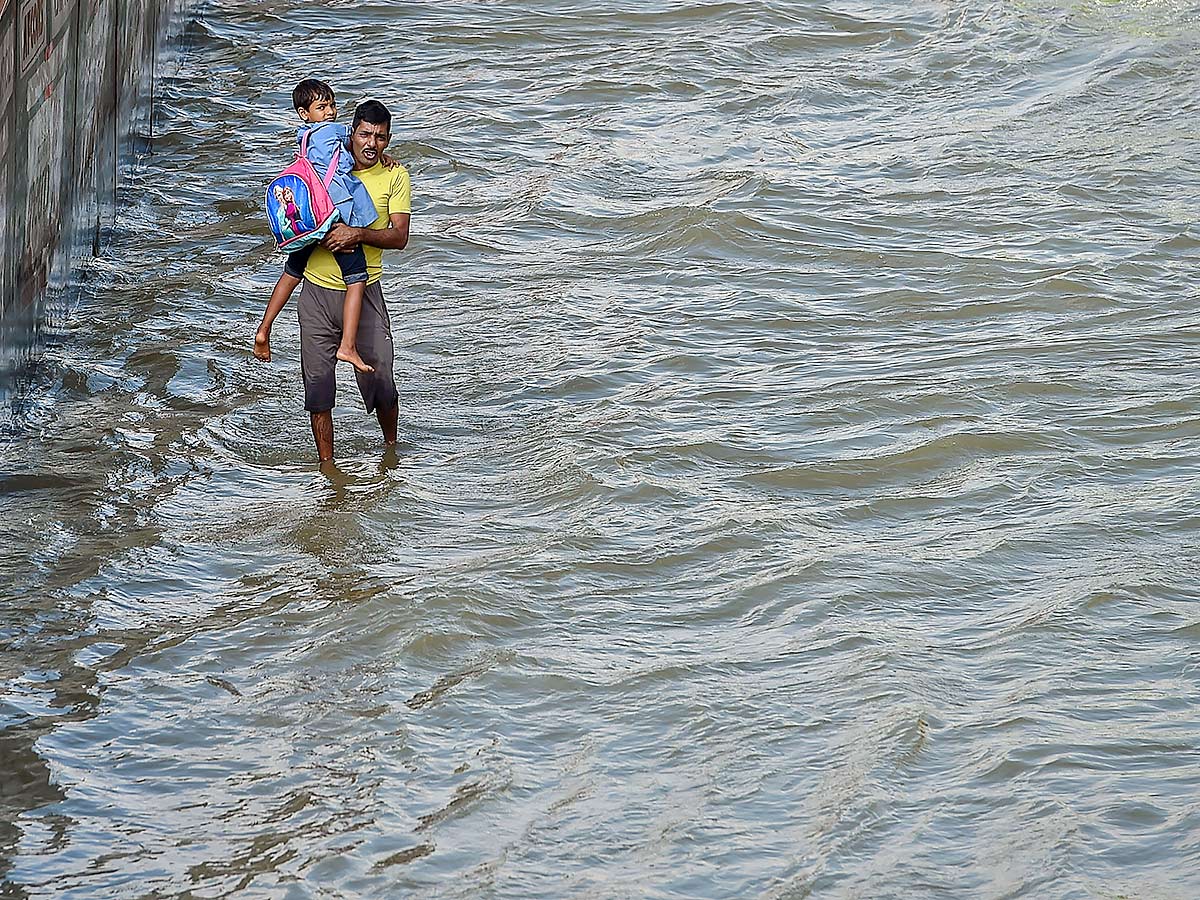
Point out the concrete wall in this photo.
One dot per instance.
(76, 83)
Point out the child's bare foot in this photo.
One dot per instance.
(352, 357)
(262, 345)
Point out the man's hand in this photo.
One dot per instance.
(389, 162)
(341, 237)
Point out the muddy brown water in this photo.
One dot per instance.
(797, 490)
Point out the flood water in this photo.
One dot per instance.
(797, 490)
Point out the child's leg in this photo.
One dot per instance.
(293, 273)
(354, 272)
(351, 311)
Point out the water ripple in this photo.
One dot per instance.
(796, 485)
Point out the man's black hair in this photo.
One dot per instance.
(373, 112)
(309, 91)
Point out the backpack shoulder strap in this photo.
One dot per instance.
(332, 169)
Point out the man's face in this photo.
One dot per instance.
(367, 143)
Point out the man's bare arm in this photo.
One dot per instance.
(394, 237)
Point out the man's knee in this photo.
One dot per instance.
(320, 387)
(320, 397)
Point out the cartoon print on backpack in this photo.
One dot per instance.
(283, 225)
(293, 212)
(290, 206)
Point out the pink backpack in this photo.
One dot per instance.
(298, 204)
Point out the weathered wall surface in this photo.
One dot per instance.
(76, 82)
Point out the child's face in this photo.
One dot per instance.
(321, 110)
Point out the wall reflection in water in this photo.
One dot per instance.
(76, 82)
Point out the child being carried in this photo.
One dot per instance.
(323, 142)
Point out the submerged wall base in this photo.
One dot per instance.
(76, 92)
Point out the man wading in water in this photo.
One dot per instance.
(319, 305)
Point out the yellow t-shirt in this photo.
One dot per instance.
(392, 193)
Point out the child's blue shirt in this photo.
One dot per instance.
(354, 204)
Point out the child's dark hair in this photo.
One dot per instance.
(309, 91)
(374, 112)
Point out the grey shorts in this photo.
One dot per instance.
(320, 312)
